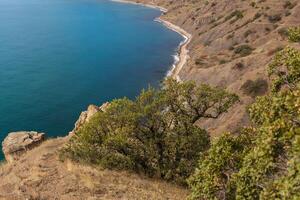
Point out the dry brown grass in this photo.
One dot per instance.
(40, 175)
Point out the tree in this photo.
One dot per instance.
(154, 134)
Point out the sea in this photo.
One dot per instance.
(59, 56)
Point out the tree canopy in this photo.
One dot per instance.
(154, 134)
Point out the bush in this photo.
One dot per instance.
(294, 34)
(284, 70)
(211, 179)
(199, 61)
(256, 16)
(247, 33)
(154, 134)
(288, 5)
(239, 66)
(271, 169)
(237, 13)
(274, 18)
(243, 50)
(263, 162)
(255, 88)
(283, 32)
(221, 62)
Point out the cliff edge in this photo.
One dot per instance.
(34, 171)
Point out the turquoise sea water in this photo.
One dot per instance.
(59, 56)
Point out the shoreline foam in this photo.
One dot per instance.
(182, 55)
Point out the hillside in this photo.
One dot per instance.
(233, 41)
(39, 175)
(161, 145)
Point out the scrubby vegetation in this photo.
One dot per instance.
(263, 161)
(243, 50)
(199, 61)
(154, 134)
(212, 178)
(285, 69)
(274, 18)
(237, 14)
(255, 88)
(294, 34)
(289, 5)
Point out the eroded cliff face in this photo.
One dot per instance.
(233, 42)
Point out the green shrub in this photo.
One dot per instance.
(154, 134)
(255, 88)
(265, 163)
(212, 177)
(284, 70)
(270, 161)
(243, 50)
(294, 34)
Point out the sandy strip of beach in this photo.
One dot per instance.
(183, 52)
(142, 4)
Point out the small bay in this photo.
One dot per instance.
(59, 56)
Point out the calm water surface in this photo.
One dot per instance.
(59, 56)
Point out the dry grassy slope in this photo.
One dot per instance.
(213, 37)
(39, 175)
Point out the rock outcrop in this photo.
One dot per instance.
(85, 116)
(17, 143)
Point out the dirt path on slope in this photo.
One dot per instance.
(39, 175)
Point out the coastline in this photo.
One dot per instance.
(182, 55)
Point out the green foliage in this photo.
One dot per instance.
(211, 179)
(285, 69)
(287, 187)
(294, 34)
(277, 131)
(267, 165)
(154, 134)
